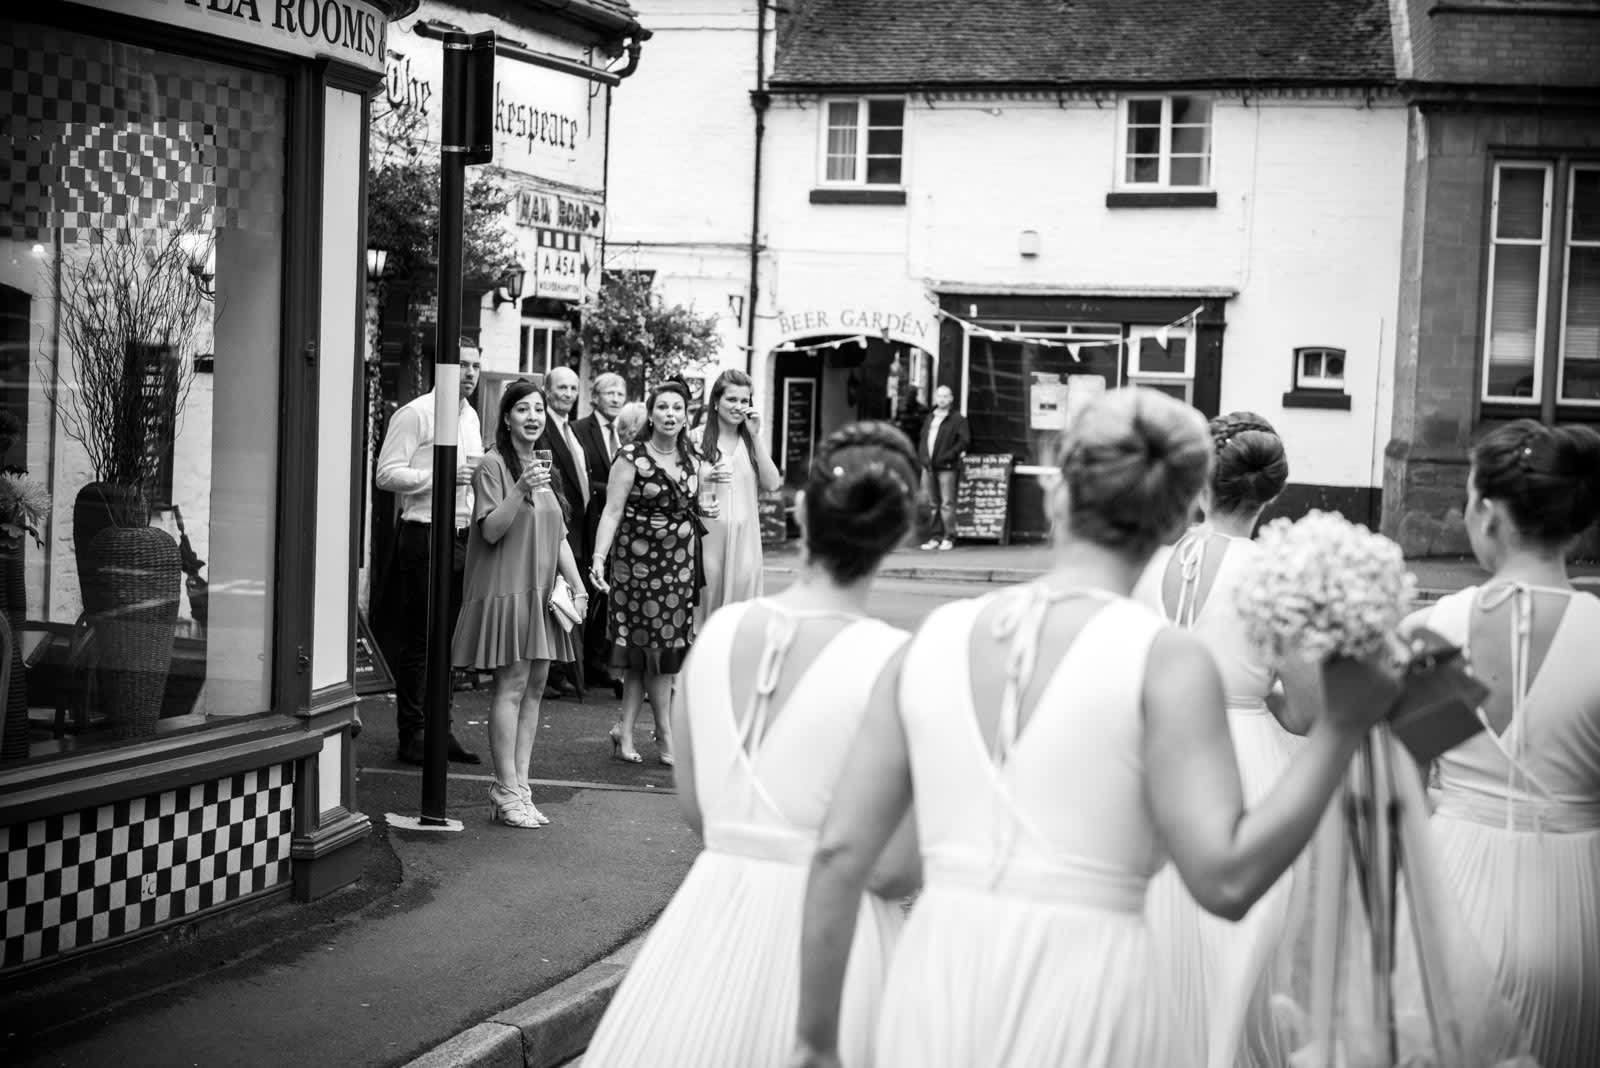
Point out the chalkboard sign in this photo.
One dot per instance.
(799, 428)
(774, 520)
(372, 672)
(983, 497)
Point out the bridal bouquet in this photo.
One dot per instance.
(1324, 586)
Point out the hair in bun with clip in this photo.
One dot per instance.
(860, 498)
(1547, 477)
(1132, 464)
(1251, 467)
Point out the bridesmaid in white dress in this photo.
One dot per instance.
(1214, 966)
(1058, 742)
(738, 471)
(772, 694)
(1517, 823)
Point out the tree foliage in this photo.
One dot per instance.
(631, 330)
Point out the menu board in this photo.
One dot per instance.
(774, 519)
(799, 428)
(372, 672)
(983, 497)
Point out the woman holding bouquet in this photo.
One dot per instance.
(1212, 964)
(1517, 823)
(517, 547)
(1087, 744)
(771, 696)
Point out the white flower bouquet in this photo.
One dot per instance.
(1322, 587)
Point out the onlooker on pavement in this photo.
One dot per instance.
(653, 523)
(940, 445)
(405, 468)
(561, 390)
(517, 548)
(771, 696)
(597, 434)
(737, 470)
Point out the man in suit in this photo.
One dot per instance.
(598, 436)
(943, 439)
(561, 393)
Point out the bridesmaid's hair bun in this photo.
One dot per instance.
(860, 498)
(1251, 466)
(1547, 477)
(1132, 464)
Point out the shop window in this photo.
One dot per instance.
(1542, 341)
(144, 233)
(863, 149)
(1166, 143)
(1318, 379)
(1162, 358)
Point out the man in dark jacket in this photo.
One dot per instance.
(561, 392)
(944, 437)
(597, 435)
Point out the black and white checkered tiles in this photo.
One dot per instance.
(88, 876)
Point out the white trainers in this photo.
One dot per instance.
(931, 543)
(946, 545)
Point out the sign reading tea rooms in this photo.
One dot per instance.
(349, 30)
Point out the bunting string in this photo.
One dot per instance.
(1051, 341)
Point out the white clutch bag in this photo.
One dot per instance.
(562, 607)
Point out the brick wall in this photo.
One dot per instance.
(1490, 42)
(1441, 307)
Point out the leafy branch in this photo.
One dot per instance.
(628, 328)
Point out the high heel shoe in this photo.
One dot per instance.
(618, 753)
(527, 802)
(506, 806)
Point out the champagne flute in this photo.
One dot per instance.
(544, 460)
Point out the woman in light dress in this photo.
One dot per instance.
(1214, 966)
(770, 698)
(1517, 823)
(738, 471)
(517, 547)
(1058, 742)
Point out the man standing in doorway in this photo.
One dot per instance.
(405, 468)
(561, 390)
(597, 434)
(943, 439)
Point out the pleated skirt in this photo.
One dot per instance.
(1215, 968)
(716, 983)
(1532, 898)
(989, 981)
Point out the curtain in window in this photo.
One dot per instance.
(1514, 290)
(842, 139)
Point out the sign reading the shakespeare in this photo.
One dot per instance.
(350, 30)
(547, 124)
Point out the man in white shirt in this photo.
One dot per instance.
(405, 468)
(597, 433)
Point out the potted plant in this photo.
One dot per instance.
(129, 310)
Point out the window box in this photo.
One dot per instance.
(863, 144)
(1318, 379)
(1166, 144)
(1170, 199)
(858, 196)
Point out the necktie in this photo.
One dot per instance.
(611, 441)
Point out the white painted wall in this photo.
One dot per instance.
(1307, 229)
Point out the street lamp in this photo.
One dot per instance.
(511, 286)
(377, 260)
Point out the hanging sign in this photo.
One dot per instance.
(355, 31)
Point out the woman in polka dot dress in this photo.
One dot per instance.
(647, 559)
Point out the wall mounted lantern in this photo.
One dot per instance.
(511, 287)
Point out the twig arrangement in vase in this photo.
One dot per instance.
(129, 311)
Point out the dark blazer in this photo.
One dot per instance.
(953, 440)
(593, 439)
(571, 468)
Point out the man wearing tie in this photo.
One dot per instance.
(561, 393)
(597, 434)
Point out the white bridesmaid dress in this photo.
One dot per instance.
(716, 984)
(1216, 966)
(1027, 946)
(1517, 826)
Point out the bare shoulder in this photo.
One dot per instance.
(1179, 664)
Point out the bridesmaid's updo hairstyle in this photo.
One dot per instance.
(1251, 467)
(1548, 478)
(1132, 465)
(859, 498)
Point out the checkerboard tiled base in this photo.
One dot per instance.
(88, 876)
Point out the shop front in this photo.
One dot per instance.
(181, 342)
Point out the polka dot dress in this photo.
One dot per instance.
(654, 568)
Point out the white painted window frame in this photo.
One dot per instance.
(1163, 182)
(1566, 286)
(1541, 304)
(1322, 381)
(860, 179)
